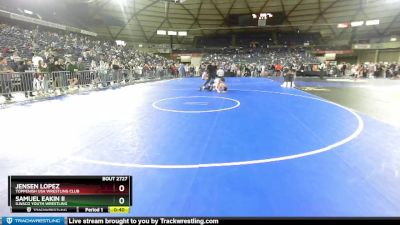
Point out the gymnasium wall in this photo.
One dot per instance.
(379, 55)
(389, 55)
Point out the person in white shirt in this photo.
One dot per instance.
(263, 70)
(233, 68)
(35, 61)
(220, 73)
(371, 70)
(187, 69)
(197, 70)
(139, 70)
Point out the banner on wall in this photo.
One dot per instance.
(330, 56)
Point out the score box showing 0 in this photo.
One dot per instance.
(69, 191)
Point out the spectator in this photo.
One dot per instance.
(26, 78)
(5, 72)
(220, 73)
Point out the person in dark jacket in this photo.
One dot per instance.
(26, 78)
(212, 73)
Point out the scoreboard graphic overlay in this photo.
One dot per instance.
(74, 194)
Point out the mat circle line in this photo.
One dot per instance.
(351, 137)
(195, 111)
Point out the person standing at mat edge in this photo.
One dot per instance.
(289, 78)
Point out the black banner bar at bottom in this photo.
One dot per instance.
(214, 221)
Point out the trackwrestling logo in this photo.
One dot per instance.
(33, 220)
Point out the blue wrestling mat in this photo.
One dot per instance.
(257, 150)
